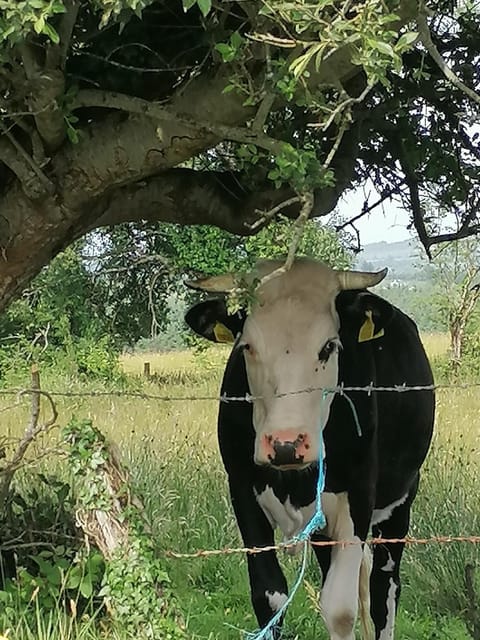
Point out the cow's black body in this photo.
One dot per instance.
(376, 469)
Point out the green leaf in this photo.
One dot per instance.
(205, 7)
(236, 40)
(188, 4)
(86, 587)
(51, 33)
(226, 51)
(385, 48)
(406, 39)
(39, 24)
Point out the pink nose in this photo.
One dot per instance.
(285, 448)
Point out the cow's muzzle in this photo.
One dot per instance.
(286, 449)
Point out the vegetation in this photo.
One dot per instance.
(225, 113)
(171, 450)
(114, 288)
(456, 275)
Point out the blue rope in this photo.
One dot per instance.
(267, 632)
(317, 521)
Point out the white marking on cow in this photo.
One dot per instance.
(387, 632)
(380, 515)
(276, 600)
(284, 515)
(389, 565)
(339, 599)
(293, 318)
(366, 622)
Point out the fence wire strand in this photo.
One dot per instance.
(340, 390)
(285, 546)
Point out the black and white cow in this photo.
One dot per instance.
(309, 328)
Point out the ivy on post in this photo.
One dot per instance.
(135, 585)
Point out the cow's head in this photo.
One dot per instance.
(290, 342)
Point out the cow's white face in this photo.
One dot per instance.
(290, 344)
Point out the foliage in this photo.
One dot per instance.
(320, 26)
(61, 320)
(456, 278)
(317, 241)
(19, 19)
(51, 567)
(125, 284)
(135, 585)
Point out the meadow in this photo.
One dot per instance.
(171, 450)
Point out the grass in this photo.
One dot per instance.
(436, 344)
(172, 451)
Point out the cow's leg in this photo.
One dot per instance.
(339, 598)
(385, 577)
(323, 554)
(268, 586)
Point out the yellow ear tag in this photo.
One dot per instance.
(223, 333)
(367, 330)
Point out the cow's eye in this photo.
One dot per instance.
(246, 347)
(327, 350)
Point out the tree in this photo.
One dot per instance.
(212, 112)
(136, 270)
(456, 274)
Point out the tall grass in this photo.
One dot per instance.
(172, 451)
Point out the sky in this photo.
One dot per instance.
(388, 223)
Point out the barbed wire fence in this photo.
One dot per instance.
(34, 430)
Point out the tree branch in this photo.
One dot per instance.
(184, 196)
(411, 181)
(57, 54)
(31, 432)
(435, 54)
(46, 88)
(366, 209)
(132, 104)
(34, 182)
(463, 232)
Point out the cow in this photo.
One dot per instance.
(310, 329)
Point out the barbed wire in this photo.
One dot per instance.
(340, 390)
(285, 546)
(293, 543)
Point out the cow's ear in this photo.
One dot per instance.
(365, 313)
(210, 319)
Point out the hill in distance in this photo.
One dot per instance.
(402, 258)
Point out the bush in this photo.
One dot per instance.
(52, 568)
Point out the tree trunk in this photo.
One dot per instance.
(457, 339)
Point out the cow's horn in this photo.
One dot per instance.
(214, 284)
(360, 279)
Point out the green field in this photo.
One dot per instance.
(171, 449)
